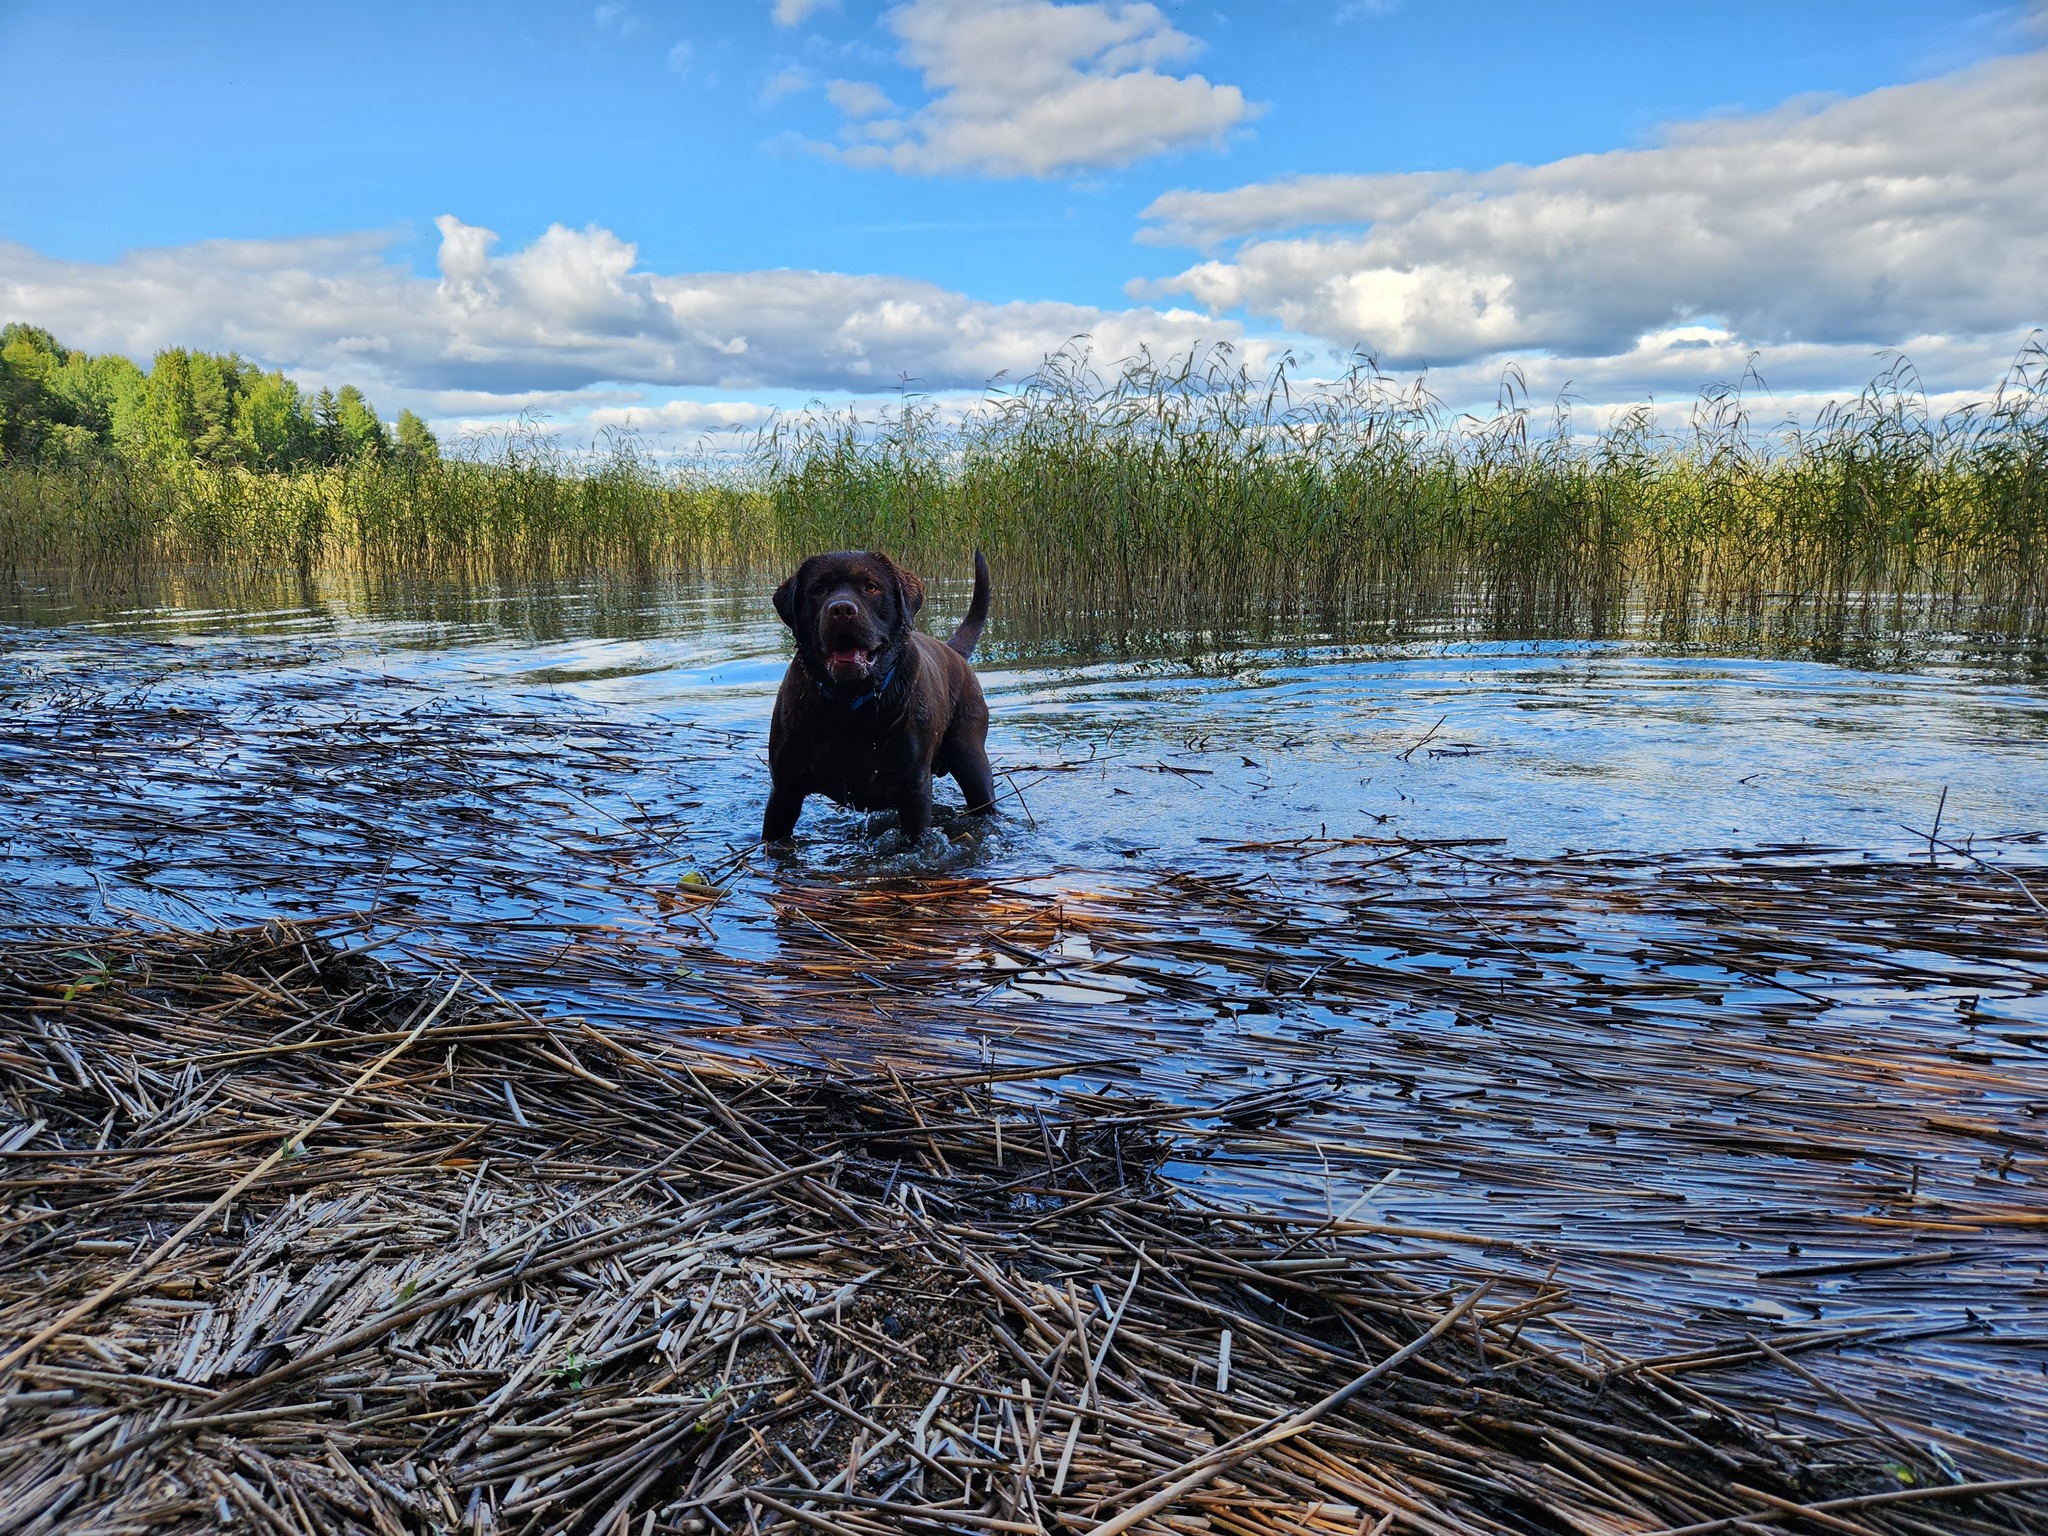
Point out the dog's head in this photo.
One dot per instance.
(850, 613)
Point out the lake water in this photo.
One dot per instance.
(1611, 961)
(1547, 744)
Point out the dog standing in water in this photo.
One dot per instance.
(870, 710)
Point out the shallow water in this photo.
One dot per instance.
(1548, 744)
(1218, 879)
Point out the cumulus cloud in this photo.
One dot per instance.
(1670, 368)
(790, 13)
(1917, 210)
(1033, 88)
(572, 309)
(858, 98)
(681, 416)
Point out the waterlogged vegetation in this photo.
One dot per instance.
(1191, 493)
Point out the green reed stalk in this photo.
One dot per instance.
(1188, 493)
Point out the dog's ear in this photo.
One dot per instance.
(785, 600)
(909, 588)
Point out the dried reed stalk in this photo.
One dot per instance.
(528, 1275)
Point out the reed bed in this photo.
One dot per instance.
(1189, 494)
(301, 1243)
(519, 505)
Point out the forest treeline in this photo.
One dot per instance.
(211, 409)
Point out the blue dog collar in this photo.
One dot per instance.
(867, 698)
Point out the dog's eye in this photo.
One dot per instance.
(871, 588)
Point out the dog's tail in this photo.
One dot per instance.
(977, 611)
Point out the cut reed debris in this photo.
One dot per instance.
(458, 1267)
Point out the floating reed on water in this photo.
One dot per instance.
(1788, 1094)
(1769, 1121)
(301, 1244)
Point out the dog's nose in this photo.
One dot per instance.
(841, 608)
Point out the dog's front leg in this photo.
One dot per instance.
(785, 804)
(914, 814)
(972, 773)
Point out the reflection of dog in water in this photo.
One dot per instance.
(870, 710)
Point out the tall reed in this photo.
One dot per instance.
(1184, 492)
(523, 507)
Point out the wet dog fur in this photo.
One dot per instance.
(871, 711)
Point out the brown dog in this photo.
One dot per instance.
(870, 710)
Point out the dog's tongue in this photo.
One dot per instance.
(844, 665)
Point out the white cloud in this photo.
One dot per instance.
(681, 57)
(618, 16)
(1792, 380)
(680, 416)
(1918, 210)
(570, 310)
(790, 13)
(857, 98)
(785, 82)
(1033, 88)
(447, 404)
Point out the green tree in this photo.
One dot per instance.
(193, 407)
(416, 441)
(125, 389)
(362, 434)
(28, 355)
(326, 433)
(170, 418)
(34, 337)
(215, 383)
(272, 425)
(58, 403)
(103, 398)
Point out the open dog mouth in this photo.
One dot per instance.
(848, 662)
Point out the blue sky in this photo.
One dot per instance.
(762, 200)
